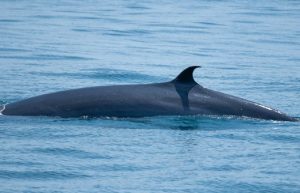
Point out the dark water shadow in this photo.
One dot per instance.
(183, 123)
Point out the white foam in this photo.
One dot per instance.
(1, 110)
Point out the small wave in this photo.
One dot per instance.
(9, 20)
(282, 138)
(71, 153)
(20, 163)
(81, 30)
(39, 175)
(12, 50)
(225, 168)
(46, 57)
(132, 32)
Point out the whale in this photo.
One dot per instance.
(181, 96)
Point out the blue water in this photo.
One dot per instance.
(249, 49)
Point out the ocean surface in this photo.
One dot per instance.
(250, 49)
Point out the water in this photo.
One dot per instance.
(246, 48)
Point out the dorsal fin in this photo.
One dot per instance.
(186, 76)
(183, 83)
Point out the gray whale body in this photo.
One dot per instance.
(181, 96)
